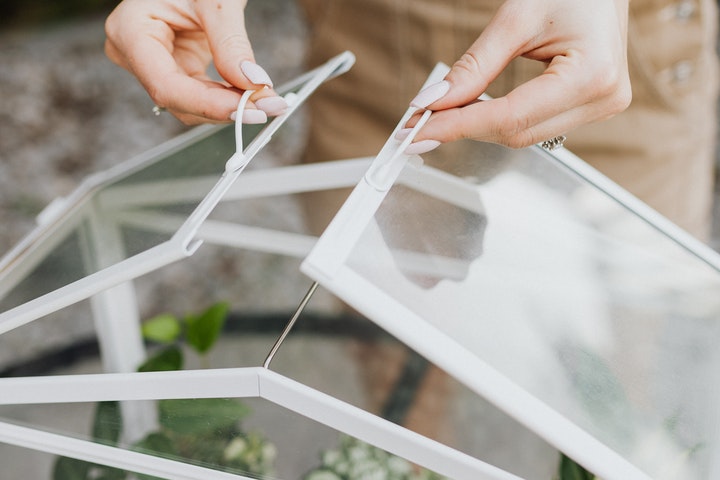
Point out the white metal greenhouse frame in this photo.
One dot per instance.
(113, 304)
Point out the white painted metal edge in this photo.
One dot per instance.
(234, 383)
(251, 184)
(635, 205)
(307, 177)
(225, 233)
(156, 192)
(341, 235)
(207, 383)
(257, 239)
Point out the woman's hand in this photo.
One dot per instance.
(169, 44)
(583, 42)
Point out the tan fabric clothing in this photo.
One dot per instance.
(660, 149)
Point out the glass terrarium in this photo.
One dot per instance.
(538, 306)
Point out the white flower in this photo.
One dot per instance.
(234, 449)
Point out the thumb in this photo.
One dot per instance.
(471, 74)
(224, 25)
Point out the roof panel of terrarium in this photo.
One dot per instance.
(537, 288)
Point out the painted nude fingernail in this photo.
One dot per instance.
(423, 146)
(273, 106)
(255, 73)
(254, 116)
(402, 134)
(431, 94)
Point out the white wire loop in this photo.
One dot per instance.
(238, 158)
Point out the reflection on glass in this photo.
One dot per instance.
(563, 290)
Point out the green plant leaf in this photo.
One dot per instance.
(204, 329)
(107, 423)
(103, 472)
(70, 469)
(156, 443)
(167, 359)
(200, 416)
(164, 328)
(569, 470)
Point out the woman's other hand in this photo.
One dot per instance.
(169, 44)
(583, 43)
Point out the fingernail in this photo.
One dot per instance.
(423, 146)
(273, 106)
(431, 94)
(402, 134)
(255, 73)
(254, 116)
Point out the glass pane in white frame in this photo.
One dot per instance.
(547, 289)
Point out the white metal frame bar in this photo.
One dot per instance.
(242, 383)
(227, 234)
(623, 197)
(96, 453)
(133, 267)
(256, 183)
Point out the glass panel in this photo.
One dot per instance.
(21, 462)
(352, 359)
(94, 238)
(52, 344)
(561, 289)
(336, 355)
(62, 265)
(137, 208)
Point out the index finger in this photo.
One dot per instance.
(146, 52)
(547, 105)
